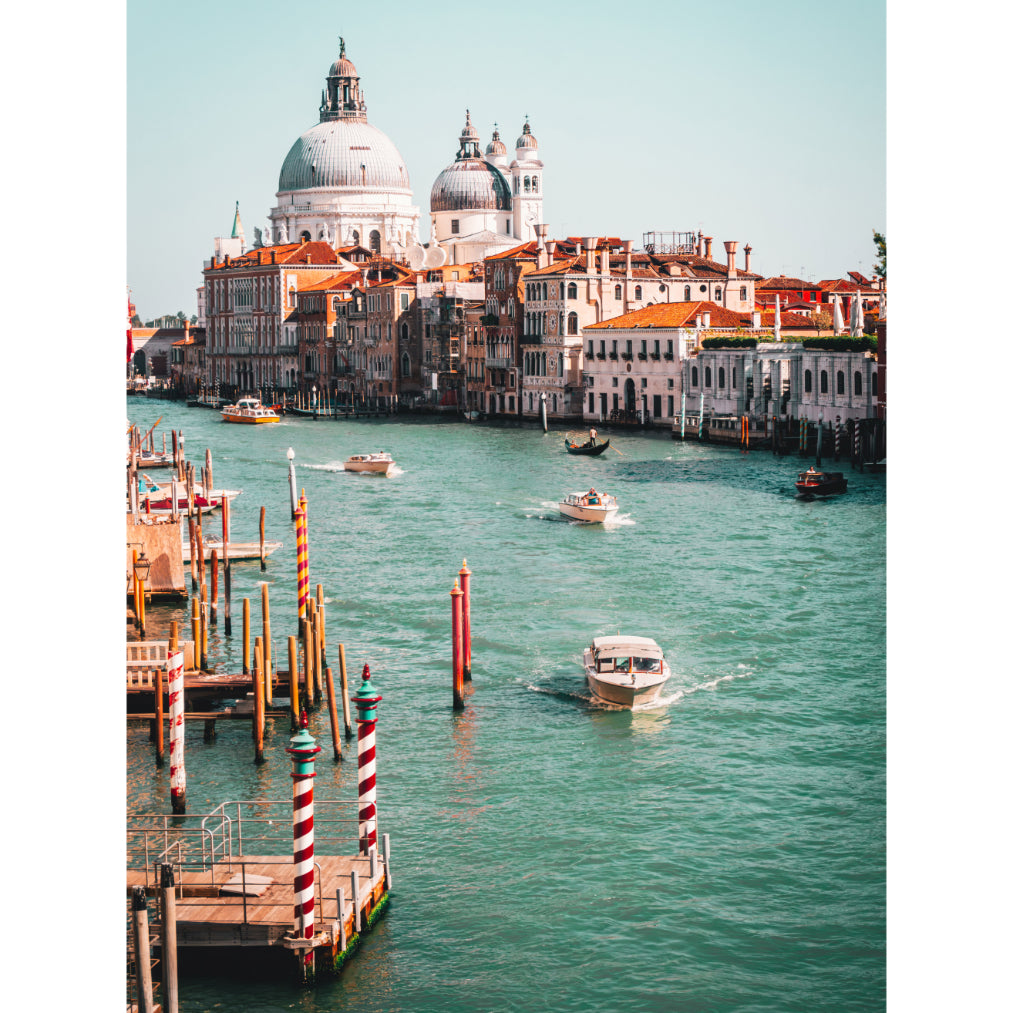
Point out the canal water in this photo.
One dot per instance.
(724, 850)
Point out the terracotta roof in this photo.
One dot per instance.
(529, 248)
(781, 282)
(342, 280)
(672, 314)
(789, 320)
(838, 285)
(287, 253)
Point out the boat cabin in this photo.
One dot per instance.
(626, 654)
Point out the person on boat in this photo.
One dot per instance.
(594, 435)
(592, 496)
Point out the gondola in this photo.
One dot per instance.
(585, 448)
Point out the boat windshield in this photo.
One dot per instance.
(622, 664)
(647, 664)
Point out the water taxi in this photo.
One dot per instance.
(820, 483)
(591, 507)
(377, 463)
(156, 499)
(249, 411)
(624, 670)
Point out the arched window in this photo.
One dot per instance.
(824, 382)
(742, 294)
(559, 365)
(717, 293)
(534, 184)
(355, 236)
(840, 381)
(619, 292)
(406, 365)
(875, 383)
(808, 381)
(858, 383)
(707, 376)
(695, 380)
(527, 184)
(554, 408)
(571, 323)
(685, 294)
(721, 377)
(571, 290)
(638, 293)
(305, 236)
(374, 241)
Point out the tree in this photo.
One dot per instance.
(193, 319)
(880, 240)
(180, 315)
(135, 321)
(822, 320)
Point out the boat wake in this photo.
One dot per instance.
(330, 466)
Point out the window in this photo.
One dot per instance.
(571, 323)
(735, 381)
(671, 385)
(657, 405)
(590, 404)
(858, 384)
(629, 349)
(671, 406)
(742, 294)
(707, 376)
(455, 226)
(601, 349)
(615, 381)
(638, 293)
(694, 377)
(686, 294)
(875, 383)
(571, 290)
(534, 184)
(721, 377)
(824, 382)
(840, 381)
(590, 349)
(374, 241)
(619, 292)
(808, 381)
(590, 381)
(508, 233)
(643, 381)
(527, 184)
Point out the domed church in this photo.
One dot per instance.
(479, 204)
(344, 182)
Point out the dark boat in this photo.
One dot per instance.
(821, 483)
(586, 448)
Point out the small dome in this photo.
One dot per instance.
(470, 185)
(469, 133)
(527, 139)
(496, 146)
(343, 68)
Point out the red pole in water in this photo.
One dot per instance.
(458, 654)
(465, 575)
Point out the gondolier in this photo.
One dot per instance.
(594, 435)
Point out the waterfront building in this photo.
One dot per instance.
(343, 181)
(321, 334)
(250, 307)
(784, 380)
(633, 363)
(187, 361)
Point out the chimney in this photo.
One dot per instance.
(749, 251)
(589, 244)
(696, 321)
(756, 316)
(699, 244)
(628, 256)
(730, 248)
(707, 246)
(550, 249)
(707, 319)
(576, 248)
(273, 257)
(543, 255)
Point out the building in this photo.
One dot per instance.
(344, 182)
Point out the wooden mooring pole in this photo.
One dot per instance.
(263, 558)
(258, 702)
(332, 710)
(346, 709)
(228, 569)
(293, 680)
(214, 587)
(142, 952)
(170, 963)
(159, 717)
(265, 608)
(465, 577)
(246, 636)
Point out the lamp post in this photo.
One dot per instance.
(291, 480)
(142, 567)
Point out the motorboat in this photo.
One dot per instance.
(587, 447)
(591, 507)
(249, 411)
(157, 499)
(378, 463)
(625, 671)
(820, 483)
(237, 550)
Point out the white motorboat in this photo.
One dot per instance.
(237, 550)
(625, 670)
(378, 463)
(249, 411)
(157, 499)
(591, 507)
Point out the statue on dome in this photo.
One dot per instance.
(282, 232)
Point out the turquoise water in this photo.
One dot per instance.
(722, 851)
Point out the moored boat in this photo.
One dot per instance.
(249, 411)
(820, 483)
(587, 447)
(625, 671)
(156, 499)
(590, 507)
(237, 550)
(378, 463)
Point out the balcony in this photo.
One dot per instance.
(600, 355)
(669, 356)
(642, 356)
(627, 356)
(613, 356)
(503, 363)
(656, 356)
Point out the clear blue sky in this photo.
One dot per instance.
(763, 123)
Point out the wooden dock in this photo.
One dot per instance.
(231, 896)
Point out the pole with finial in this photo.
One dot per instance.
(303, 749)
(365, 703)
(457, 652)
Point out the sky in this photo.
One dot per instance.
(762, 123)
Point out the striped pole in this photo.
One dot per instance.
(177, 770)
(302, 555)
(465, 574)
(365, 704)
(682, 418)
(837, 439)
(302, 750)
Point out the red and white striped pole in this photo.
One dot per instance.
(302, 555)
(365, 703)
(177, 770)
(457, 652)
(302, 750)
(465, 574)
